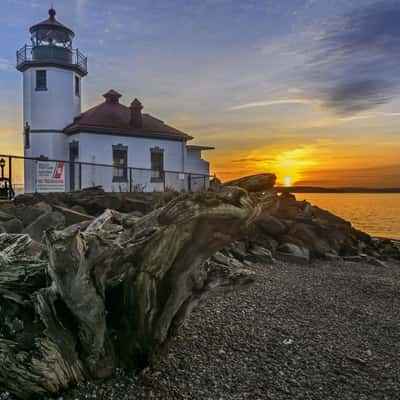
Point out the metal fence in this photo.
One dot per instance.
(32, 175)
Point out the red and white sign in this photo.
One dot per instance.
(50, 176)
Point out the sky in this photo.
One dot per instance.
(307, 89)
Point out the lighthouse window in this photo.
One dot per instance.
(41, 80)
(120, 162)
(77, 86)
(27, 133)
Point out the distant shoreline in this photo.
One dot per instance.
(316, 189)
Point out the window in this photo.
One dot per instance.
(157, 164)
(120, 162)
(27, 136)
(41, 80)
(77, 86)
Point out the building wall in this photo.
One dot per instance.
(97, 148)
(195, 164)
(198, 169)
(49, 110)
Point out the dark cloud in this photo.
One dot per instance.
(357, 66)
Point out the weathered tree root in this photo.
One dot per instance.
(112, 294)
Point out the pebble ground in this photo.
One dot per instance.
(328, 331)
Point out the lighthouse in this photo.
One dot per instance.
(52, 73)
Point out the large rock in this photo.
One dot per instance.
(317, 245)
(29, 213)
(130, 205)
(258, 254)
(13, 225)
(96, 204)
(254, 183)
(292, 253)
(4, 216)
(271, 225)
(290, 208)
(53, 219)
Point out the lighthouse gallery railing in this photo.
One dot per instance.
(60, 55)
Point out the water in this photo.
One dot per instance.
(376, 214)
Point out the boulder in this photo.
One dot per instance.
(53, 219)
(238, 250)
(95, 205)
(254, 183)
(130, 205)
(258, 254)
(4, 216)
(13, 225)
(270, 243)
(292, 253)
(328, 219)
(290, 239)
(29, 213)
(271, 225)
(317, 245)
(220, 258)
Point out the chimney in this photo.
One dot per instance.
(136, 114)
(112, 97)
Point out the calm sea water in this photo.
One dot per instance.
(376, 214)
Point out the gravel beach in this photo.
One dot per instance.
(324, 331)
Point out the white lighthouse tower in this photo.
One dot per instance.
(52, 72)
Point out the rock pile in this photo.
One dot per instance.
(295, 231)
(35, 213)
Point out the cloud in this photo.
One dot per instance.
(268, 103)
(371, 115)
(356, 65)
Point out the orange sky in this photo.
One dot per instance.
(245, 77)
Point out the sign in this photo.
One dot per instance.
(50, 176)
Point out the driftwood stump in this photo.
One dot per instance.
(111, 293)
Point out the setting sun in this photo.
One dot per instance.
(287, 181)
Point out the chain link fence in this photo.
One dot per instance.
(32, 175)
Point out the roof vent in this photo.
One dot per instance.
(136, 114)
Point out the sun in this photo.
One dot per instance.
(287, 181)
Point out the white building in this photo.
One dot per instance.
(146, 153)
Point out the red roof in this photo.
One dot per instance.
(113, 118)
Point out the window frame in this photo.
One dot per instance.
(27, 136)
(77, 88)
(159, 176)
(43, 85)
(123, 167)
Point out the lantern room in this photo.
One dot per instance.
(51, 40)
(51, 43)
